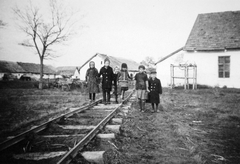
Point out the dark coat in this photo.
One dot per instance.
(123, 80)
(155, 88)
(141, 79)
(115, 83)
(107, 77)
(92, 80)
(116, 78)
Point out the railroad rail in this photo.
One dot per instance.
(8, 143)
(73, 151)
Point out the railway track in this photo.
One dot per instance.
(59, 140)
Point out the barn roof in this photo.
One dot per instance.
(10, 67)
(215, 31)
(19, 67)
(35, 68)
(66, 70)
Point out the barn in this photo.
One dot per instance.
(17, 69)
(68, 71)
(8, 67)
(114, 61)
(33, 70)
(213, 46)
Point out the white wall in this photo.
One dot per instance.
(1, 75)
(207, 68)
(76, 75)
(18, 75)
(99, 62)
(163, 69)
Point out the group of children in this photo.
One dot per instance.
(118, 78)
(148, 89)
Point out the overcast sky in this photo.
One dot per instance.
(131, 29)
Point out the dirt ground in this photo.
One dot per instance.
(201, 126)
(22, 108)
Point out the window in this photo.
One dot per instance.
(224, 66)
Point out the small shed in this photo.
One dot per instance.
(68, 71)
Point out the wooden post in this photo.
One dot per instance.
(187, 72)
(196, 76)
(185, 79)
(173, 77)
(171, 73)
(193, 84)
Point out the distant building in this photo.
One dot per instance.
(214, 46)
(68, 71)
(32, 70)
(114, 61)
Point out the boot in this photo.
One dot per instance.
(157, 109)
(140, 105)
(104, 97)
(108, 97)
(116, 99)
(153, 110)
(143, 105)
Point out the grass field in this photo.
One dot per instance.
(201, 126)
(22, 108)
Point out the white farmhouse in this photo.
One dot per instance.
(214, 46)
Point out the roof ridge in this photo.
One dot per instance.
(218, 12)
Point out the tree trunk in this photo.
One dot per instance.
(41, 74)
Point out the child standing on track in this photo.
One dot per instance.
(123, 79)
(141, 87)
(116, 75)
(92, 81)
(107, 77)
(155, 88)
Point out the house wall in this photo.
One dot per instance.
(163, 69)
(48, 76)
(99, 62)
(18, 75)
(76, 75)
(1, 75)
(207, 68)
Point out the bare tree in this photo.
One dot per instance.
(44, 29)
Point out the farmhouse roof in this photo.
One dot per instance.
(10, 67)
(117, 61)
(215, 31)
(35, 68)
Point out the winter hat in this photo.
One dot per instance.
(124, 65)
(106, 60)
(91, 62)
(141, 66)
(153, 71)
